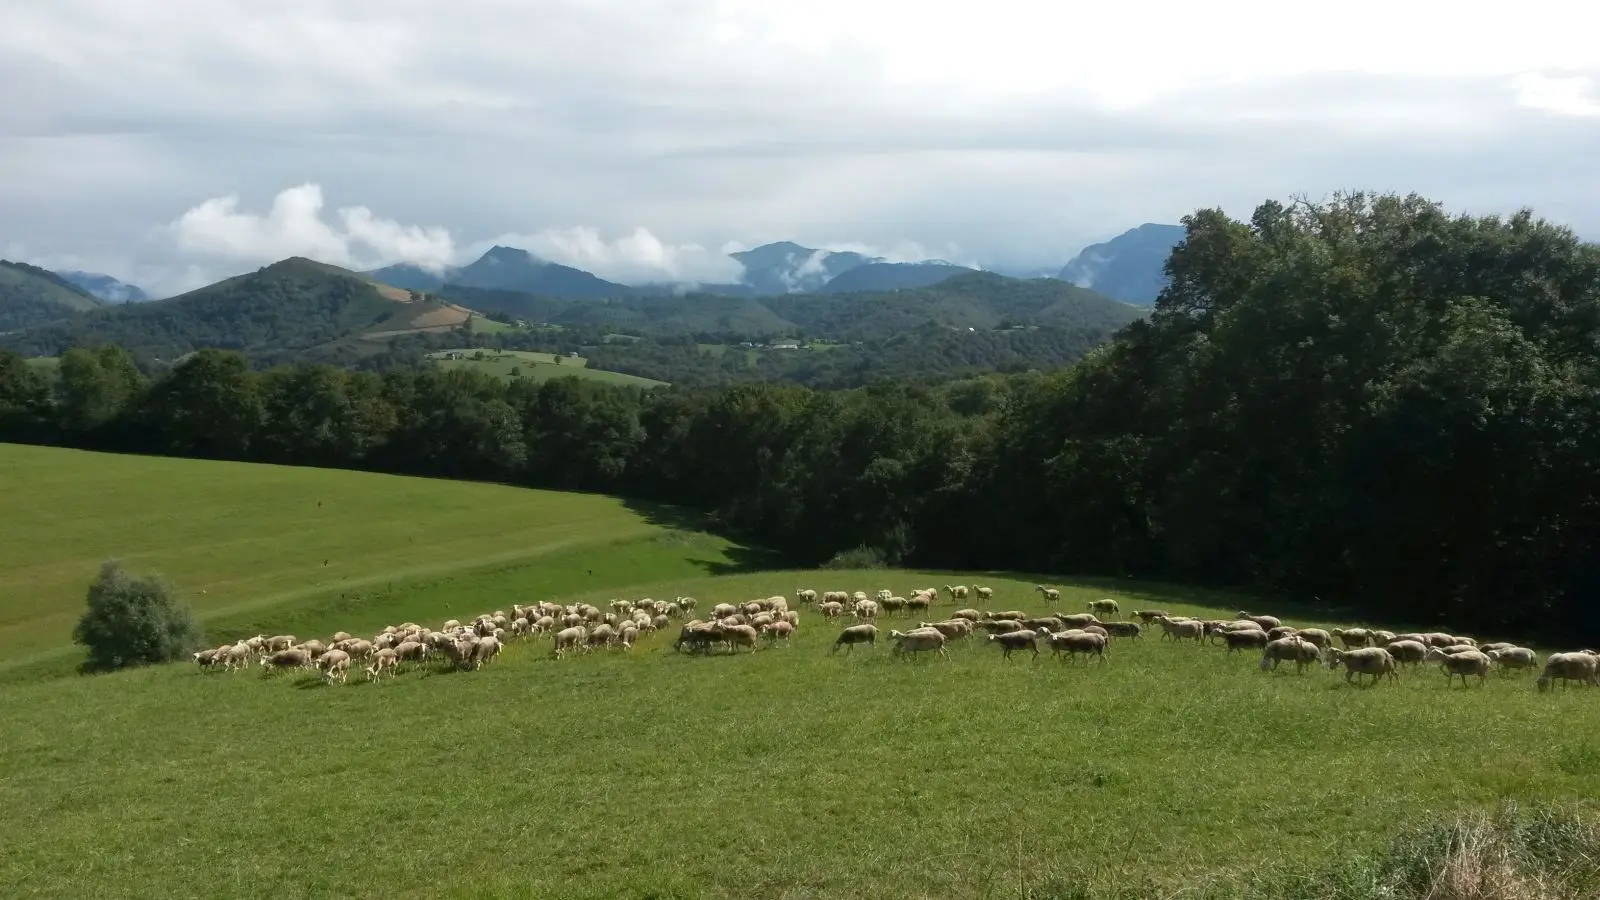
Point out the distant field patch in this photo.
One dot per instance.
(533, 366)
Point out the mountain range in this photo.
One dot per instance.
(299, 309)
(1126, 268)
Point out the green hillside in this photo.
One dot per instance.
(244, 540)
(32, 296)
(650, 773)
(274, 314)
(968, 300)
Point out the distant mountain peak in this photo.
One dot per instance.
(1129, 267)
(105, 287)
(501, 255)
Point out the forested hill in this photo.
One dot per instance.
(32, 296)
(1369, 401)
(274, 314)
(979, 300)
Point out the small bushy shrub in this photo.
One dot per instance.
(860, 558)
(134, 621)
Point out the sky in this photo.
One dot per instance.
(174, 142)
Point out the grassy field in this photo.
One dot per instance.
(248, 541)
(536, 367)
(1169, 771)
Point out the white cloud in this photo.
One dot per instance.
(1573, 95)
(1013, 132)
(295, 226)
(634, 258)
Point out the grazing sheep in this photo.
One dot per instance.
(866, 609)
(384, 661)
(1000, 626)
(1463, 664)
(1374, 661)
(1242, 638)
(805, 596)
(1353, 638)
(1073, 643)
(831, 609)
(779, 630)
(1317, 636)
(919, 641)
(1267, 623)
(1051, 595)
(1302, 653)
(984, 593)
(1582, 667)
(959, 592)
(740, 636)
(1122, 629)
(571, 639)
(839, 597)
(335, 664)
(698, 637)
(950, 628)
(1077, 620)
(856, 634)
(1104, 606)
(285, 659)
(1508, 658)
(1016, 640)
(918, 603)
(1191, 628)
(411, 651)
(484, 650)
(1408, 652)
(892, 605)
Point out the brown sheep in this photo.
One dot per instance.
(1016, 640)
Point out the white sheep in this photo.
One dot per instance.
(1463, 664)
(1508, 658)
(1301, 652)
(1051, 595)
(1104, 606)
(1374, 661)
(918, 641)
(1582, 667)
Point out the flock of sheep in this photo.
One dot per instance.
(582, 628)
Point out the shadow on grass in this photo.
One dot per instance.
(741, 556)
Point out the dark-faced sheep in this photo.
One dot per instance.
(1242, 638)
(285, 659)
(856, 634)
(1073, 643)
(1016, 640)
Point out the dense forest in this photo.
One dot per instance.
(1368, 401)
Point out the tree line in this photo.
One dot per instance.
(1367, 400)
